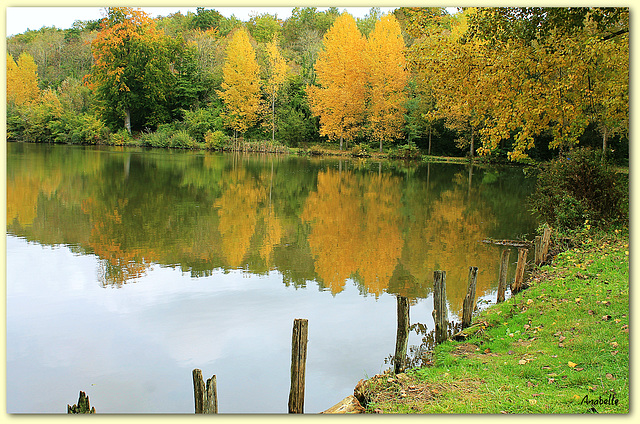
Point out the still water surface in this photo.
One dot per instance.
(128, 268)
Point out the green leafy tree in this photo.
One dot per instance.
(132, 75)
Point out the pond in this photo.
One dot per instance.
(127, 268)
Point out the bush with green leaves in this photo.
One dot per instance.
(360, 150)
(200, 121)
(182, 140)
(577, 187)
(120, 138)
(406, 151)
(216, 140)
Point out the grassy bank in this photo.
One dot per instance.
(559, 347)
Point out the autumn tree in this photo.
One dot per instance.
(22, 80)
(339, 98)
(276, 77)
(387, 76)
(132, 72)
(241, 84)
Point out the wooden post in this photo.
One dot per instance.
(198, 391)
(470, 299)
(440, 305)
(211, 401)
(402, 336)
(298, 364)
(82, 407)
(538, 250)
(546, 240)
(522, 261)
(205, 397)
(504, 267)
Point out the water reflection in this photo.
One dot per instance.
(382, 227)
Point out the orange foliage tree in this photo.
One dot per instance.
(339, 99)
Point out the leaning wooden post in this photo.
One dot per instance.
(522, 261)
(470, 299)
(504, 267)
(440, 305)
(402, 336)
(298, 364)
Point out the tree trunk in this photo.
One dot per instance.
(273, 119)
(605, 136)
(472, 140)
(429, 150)
(127, 120)
(341, 138)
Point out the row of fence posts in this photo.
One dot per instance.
(206, 397)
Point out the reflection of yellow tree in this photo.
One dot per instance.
(237, 209)
(354, 229)
(121, 264)
(382, 240)
(447, 237)
(23, 191)
(272, 233)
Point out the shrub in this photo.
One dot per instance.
(579, 187)
(200, 121)
(407, 151)
(119, 138)
(216, 140)
(360, 150)
(182, 140)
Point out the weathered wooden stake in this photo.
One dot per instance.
(402, 336)
(469, 303)
(546, 240)
(82, 407)
(519, 279)
(211, 402)
(538, 250)
(205, 397)
(504, 267)
(440, 305)
(298, 365)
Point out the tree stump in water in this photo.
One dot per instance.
(298, 365)
(82, 407)
(402, 335)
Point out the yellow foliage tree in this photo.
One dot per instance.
(241, 83)
(276, 76)
(339, 99)
(22, 80)
(387, 77)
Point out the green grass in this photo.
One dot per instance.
(547, 350)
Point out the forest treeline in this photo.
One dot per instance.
(513, 83)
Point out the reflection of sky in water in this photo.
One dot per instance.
(132, 349)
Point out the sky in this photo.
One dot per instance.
(21, 19)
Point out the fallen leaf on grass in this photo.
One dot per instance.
(606, 317)
(522, 361)
(578, 369)
(615, 352)
(537, 394)
(529, 301)
(533, 401)
(562, 338)
(614, 344)
(571, 364)
(609, 376)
